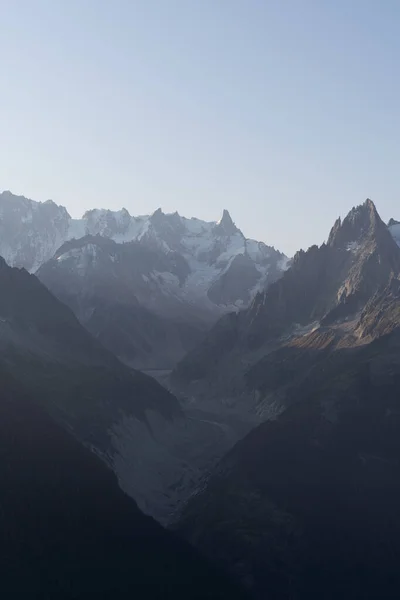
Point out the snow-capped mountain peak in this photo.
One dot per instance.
(218, 254)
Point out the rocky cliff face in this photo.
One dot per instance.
(30, 232)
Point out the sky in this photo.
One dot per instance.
(285, 112)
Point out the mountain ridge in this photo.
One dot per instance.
(326, 283)
(208, 246)
(305, 505)
(177, 275)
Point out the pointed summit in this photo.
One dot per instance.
(157, 217)
(167, 224)
(361, 222)
(225, 226)
(157, 213)
(336, 227)
(226, 217)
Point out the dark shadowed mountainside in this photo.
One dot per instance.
(68, 532)
(77, 381)
(158, 450)
(307, 505)
(43, 343)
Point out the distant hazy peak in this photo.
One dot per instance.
(226, 226)
(32, 233)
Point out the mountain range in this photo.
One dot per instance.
(267, 437)
(148, 287)
(325, 284)
(305, 505)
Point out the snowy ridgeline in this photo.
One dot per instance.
(31, 233)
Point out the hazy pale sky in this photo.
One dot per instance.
(286, 112)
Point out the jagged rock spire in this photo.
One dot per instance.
(361, 221)
(157, 214)
(226, 225)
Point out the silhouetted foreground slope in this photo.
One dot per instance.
(68, 531)
(307, 505)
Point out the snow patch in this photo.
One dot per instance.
(299, 330)
(353, 247)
